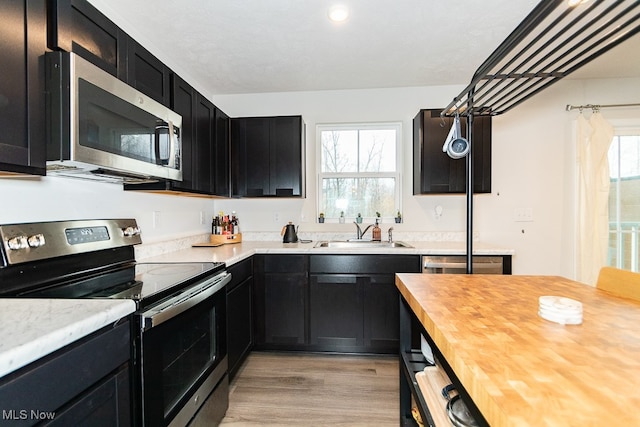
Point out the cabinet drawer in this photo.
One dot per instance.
(58, 378)
(285, 264)
(364, 264)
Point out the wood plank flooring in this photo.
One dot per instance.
(287, 389)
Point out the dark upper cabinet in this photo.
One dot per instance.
(205, 146)
(147, 73)
(221, 155)
(77, 26)
(434, 172)
(204, 137)
(267, 156)
(22, 95)
(183, 102)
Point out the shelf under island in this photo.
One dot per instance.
(512, 367)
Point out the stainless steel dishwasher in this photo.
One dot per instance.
(457, 264)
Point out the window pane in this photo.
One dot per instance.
(377, 150)
(339, 150)
(624, 203)
(358, 195)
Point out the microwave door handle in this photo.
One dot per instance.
(173, 146)
(156, 147)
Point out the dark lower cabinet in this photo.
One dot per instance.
(281, 299)
(335, 312)
(358, 301)
(239, 314)
(331, 303)
(22, 97)
(380, 316)
(86, 383)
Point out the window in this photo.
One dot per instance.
(624, 202)
(359, 172)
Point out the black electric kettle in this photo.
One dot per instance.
(289, 233)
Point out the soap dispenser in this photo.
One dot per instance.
(376, 232)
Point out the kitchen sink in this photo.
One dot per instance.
(346, 244)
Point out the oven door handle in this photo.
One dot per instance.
(184, 301)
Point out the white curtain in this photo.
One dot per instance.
(593, 138)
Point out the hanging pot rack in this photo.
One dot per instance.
(555, 39)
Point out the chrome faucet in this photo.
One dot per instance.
(390, 234)
(359, 232)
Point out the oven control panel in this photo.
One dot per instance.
(36, 241)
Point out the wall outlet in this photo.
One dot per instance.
(276, 217)
(523, 214)
(201, 217)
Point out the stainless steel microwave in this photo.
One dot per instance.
(101, 128)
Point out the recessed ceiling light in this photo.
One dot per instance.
(338, 13)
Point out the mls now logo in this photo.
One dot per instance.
(24, 414)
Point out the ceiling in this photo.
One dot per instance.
(255, 46)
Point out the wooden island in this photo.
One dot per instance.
(515, 368)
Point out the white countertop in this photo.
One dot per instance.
(233, 253)
(32, 328)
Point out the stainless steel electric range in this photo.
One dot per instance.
(179, 349)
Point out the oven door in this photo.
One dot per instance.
(183, 352)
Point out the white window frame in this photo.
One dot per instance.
(622, 128)
(397, 126)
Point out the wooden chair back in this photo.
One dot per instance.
(623, 283)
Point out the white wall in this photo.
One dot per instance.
(55, 198)
(533, 165)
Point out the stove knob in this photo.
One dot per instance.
(17, 243)
(131, 231)
(36, 240)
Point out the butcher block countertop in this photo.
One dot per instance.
(522, 370)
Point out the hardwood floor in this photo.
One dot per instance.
(286, 389)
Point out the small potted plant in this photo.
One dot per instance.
(398, 218)
(321, 218)
(377, 217)
(341, 219)
(359, 218)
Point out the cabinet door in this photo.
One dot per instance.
(221, 155)
(22, 120)
(381, 314)
(147, 73)
(434, 171)
(284, 308)
(205, 121)
(335, 312)
(239, 323)
(183, 102)
(250, 156)
(77, 26)
(286, 160)
(281, 301)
